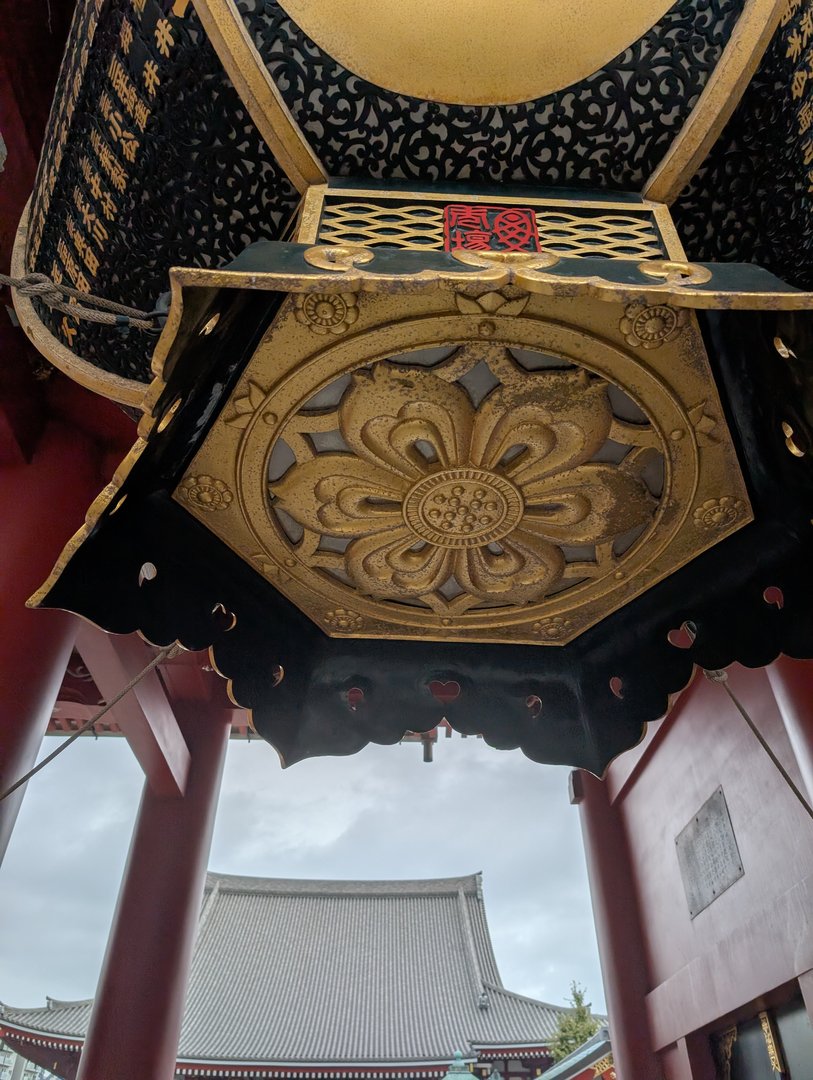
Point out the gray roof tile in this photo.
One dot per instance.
(295, 971)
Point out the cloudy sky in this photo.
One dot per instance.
(382, 813)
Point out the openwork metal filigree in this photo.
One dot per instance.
(750, 198)
(157, 196)
(440, 498)
(609, 129)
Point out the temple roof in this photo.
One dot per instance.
(338, 972)
(597, 1049)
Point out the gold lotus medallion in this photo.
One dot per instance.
(424, 472)
(461, 508)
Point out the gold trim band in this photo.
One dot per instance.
(721, 95)
(454, 194)
(258, 92)
(115, 387)
(342, 270)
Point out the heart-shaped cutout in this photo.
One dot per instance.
(683, 637)
(444, 692)
(533, 703)
(355, 698)
(774, 595)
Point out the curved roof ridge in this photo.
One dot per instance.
(51, 1005)
(468, 883)
(486, 945)
(468, 938)
(524, 997)
(56, 1019)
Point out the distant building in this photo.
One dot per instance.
(347, 980)
(15, 1067)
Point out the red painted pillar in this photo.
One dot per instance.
(689, 1058)
(618, 928)
(792, 685)
(137, 1014)
(42, 502)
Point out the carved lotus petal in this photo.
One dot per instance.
(526, 570)
(560, 417)
(384, 564)
(586, 505)
(332, 494)
(386, 412)
(435, 490)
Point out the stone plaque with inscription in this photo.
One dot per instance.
(708, 855)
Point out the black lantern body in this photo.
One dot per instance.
(590, 467)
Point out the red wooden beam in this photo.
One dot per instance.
(31, 47)
(41, 504)
(145, 715)
(22, 416)
(617, 915)
(138, 1008)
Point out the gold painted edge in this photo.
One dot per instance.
(231, 696)
(721, 95)
(110, 491)
(669, 234)
(165, 341)
(310, 219)
(177, 643)
(258, 92)
(114, 387)
(496, 197)
(146, 423)
(94, 512)
(346, 277)
(340, 280)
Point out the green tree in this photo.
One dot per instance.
(575, 1027)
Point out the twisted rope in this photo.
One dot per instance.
(720, 677)
(169, 653)
(84, 306)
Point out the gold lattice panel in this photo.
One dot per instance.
(611, 236)
(571, 233)
(415, 226)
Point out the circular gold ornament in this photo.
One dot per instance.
(343, 620)
(327, 313)
(206, 493)
(554, 629)
(719, 513)
(655, 323)
(651, 325)
(459, 508)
